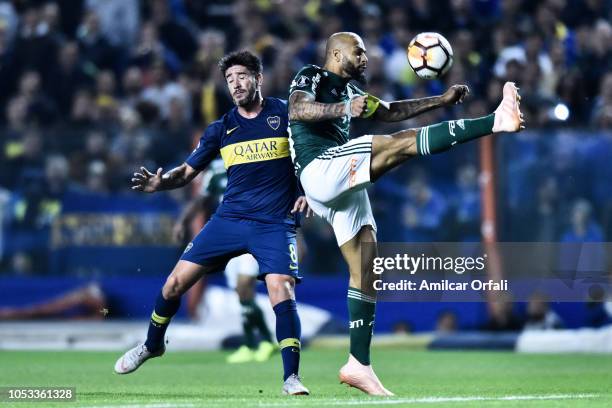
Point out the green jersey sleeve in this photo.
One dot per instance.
(306, 80)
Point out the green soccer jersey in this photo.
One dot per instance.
(214, 181)
(308, 140)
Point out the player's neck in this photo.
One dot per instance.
(335, 69)
(252, 109)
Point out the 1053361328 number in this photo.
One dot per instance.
(8, 394)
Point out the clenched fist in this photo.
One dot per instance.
(358, 106)
(455, 94)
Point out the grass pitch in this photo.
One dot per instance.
(419, 378)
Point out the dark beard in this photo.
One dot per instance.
(355, 74)
(251, 96)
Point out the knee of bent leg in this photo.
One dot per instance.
(280, 287)
(173, 288)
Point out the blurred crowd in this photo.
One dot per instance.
(91, 90)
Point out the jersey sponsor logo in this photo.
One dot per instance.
(353, 173)
(274, 122)
(354, 324)
(461, 124)
(231, 130)
(188, 247)
(253, 151)
(451, 128)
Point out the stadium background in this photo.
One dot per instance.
(91, 90)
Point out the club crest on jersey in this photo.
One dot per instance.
(301, 81)
(274, 122)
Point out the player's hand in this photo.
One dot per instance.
(455, 94)
(301, 205)
(147, 181)
(358, 106)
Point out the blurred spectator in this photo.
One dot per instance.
(67, 77)
(603, 104)
(424, 210)
(401, 327)
(41, 109)
(25, 160)
(583, 228)
(540, 316)
(132, 83)
(118, 20)
(94, 45)
(83, 112)
(162, 89)
(172, 31)
(447, 322)
(106, 104)
(466, 204)
(97, 177)
(34, 46)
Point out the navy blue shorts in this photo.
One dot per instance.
(272, 245)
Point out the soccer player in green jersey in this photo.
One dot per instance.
(334, 171)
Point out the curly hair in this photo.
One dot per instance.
(244, 58)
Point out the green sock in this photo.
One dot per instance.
(442, 136)
(248, 325)
(361, 309)
(260, 323)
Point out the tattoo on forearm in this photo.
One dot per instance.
(402, 110)
(303, 107)
(174, 178)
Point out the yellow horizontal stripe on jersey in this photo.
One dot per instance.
(253, 151)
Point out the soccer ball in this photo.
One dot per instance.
(430, 55)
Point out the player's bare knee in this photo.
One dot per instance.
(404, 142)
(280, 287)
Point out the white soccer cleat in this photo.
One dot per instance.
(362, 377)
(508, 116)
(134, 358)
(293, 386)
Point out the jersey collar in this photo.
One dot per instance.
(335, 79)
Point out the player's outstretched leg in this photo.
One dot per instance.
(361, 299)
(288, 330)
(389, 151)
(184, 275)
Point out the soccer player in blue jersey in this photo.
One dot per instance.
(257, 215)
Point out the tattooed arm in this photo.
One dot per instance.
(402, 110)
(302, 106)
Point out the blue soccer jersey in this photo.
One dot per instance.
(261, 185)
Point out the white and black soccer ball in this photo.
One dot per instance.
(430, 55)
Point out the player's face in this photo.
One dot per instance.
(355, 61)
(242, 84)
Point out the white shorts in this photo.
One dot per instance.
(335, 184)
(240, 265)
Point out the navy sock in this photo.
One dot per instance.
(288, 332)
(160, 319)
